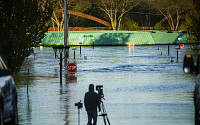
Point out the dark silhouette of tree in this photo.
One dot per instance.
(172, 10)
(22, 26)
(193, 22)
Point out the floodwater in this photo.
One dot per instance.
(141, 86)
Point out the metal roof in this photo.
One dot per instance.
(114, 37)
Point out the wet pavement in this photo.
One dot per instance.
(141, 85)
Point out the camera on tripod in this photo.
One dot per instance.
(99, 88)
(79, 104)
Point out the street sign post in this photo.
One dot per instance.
(28, 67)
(71, 68)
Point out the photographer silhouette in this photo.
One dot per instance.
(91, 102)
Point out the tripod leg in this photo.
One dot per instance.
(102, 112)
(104, 120)
(78, 116)
(105, 116)
(108, 120)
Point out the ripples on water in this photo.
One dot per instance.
(141, 87)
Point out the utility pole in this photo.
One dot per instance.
(149, 17)
(66, 52)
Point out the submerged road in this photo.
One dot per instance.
(140, 86)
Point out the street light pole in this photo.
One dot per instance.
(55, 50)
(177, 48)
(60, 68)
(93, 42)
(60, 49)
(168, 43)
(74, 48)
(80, 47)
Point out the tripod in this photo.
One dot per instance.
(104, 114)
(78, 116)
(102, 108)
(79, 106)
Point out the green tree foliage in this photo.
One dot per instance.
(183, 27)
(193, 23)
(158, 26)
(129, 24)
(22, 26)
(81, 6)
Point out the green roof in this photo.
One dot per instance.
(114, 37)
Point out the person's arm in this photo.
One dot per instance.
(85, 101)
(98, 103)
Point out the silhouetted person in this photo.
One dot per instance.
(91, 102)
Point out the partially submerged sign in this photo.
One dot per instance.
(28, 65)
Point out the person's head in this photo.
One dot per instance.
(91, 88)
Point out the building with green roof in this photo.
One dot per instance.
(103, 38)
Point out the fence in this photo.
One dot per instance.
(103, 28)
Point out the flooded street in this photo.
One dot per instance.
(141, 86)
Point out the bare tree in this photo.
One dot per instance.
(57, 18)
(172, 10)
(115, 10)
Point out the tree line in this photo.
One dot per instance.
(23, 23)
(125, 14)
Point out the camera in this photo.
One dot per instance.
(79, 104)
(99, 88)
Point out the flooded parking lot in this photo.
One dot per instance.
(142, 86)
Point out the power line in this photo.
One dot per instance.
(147, 13)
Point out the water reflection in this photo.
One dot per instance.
(141, 86)
(29, 110)
(70, 78)
(131, 51)
(64, 98)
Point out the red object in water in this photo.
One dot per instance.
(181, 46)
(131, 45)
(71, 68)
